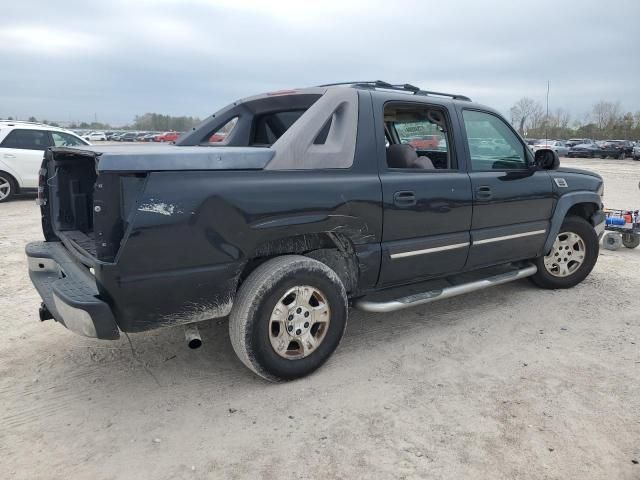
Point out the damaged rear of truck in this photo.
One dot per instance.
(140, 238)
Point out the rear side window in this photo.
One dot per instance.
(61, 139)
(27, 140)
(492, 144)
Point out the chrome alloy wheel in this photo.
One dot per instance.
(299, 322)
(5, 187)
(566, 256)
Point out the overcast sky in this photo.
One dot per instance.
(70, 60)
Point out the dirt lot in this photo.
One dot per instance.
(511, 382)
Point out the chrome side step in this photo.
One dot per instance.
(446, 292)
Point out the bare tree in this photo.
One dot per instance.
(525, 114)
(605, 114)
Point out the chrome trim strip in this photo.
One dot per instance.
(411, 253)
(509, 237)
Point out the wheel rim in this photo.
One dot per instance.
(566, 256)
(299, 322)
(5, 188)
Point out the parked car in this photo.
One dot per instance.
(584, 150)
(95, 136)
(149, 137)
(636, 151)
(424, 142)
(113, 136)
(557, 146)
(21, 150)
(572, 142)
(302, 213)
(128, 137)
(167, 137)
(616, 149)
(140, 136)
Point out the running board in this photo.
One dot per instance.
(446, 292)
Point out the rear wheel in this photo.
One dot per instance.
(630, 240)
(572, 256)
(288, 317)
(8, 187)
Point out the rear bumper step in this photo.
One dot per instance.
(69, 291)
(429, 296)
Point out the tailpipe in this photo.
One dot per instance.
(192, 336)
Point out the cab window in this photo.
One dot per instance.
(492, 144)
(417, 137)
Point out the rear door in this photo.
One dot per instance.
(23, 150)
(427, 211)
(512, 203)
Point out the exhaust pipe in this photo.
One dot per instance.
(192, 336)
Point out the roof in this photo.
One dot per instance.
(32, 126)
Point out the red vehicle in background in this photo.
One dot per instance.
(167, 137)
(425, 142)
(217, 137)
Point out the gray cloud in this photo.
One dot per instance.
(69, 60)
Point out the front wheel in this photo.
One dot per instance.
(572, 256)
(288, 317)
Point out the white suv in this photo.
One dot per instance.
(93, 136)
(22, 146)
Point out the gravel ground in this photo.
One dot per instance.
(510, 382)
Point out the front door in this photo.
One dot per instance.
(426, 200)
(512, 203)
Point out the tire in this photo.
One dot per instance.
(612, 241)
(256, 332)
(603, 157)
(8, 187)
(630, 240)
(571, 265)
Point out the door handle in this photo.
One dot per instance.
(404, 198)
(9, 155)
(484, 193)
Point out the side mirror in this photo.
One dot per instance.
(546, 159)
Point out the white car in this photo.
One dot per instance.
(22, 146)
(93, 136)
(557, 146)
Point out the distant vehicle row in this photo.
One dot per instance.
(587, 148)
(129, 136)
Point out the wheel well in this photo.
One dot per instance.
(334, 250)
(583, 210)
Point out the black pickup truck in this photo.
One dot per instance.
(283, 210)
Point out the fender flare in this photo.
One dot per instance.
(564, 204)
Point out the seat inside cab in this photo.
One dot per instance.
(416, 137)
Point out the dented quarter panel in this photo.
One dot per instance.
(192, 233)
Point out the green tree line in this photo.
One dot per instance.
(605, 121)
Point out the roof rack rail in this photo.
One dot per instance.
(405, 87)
